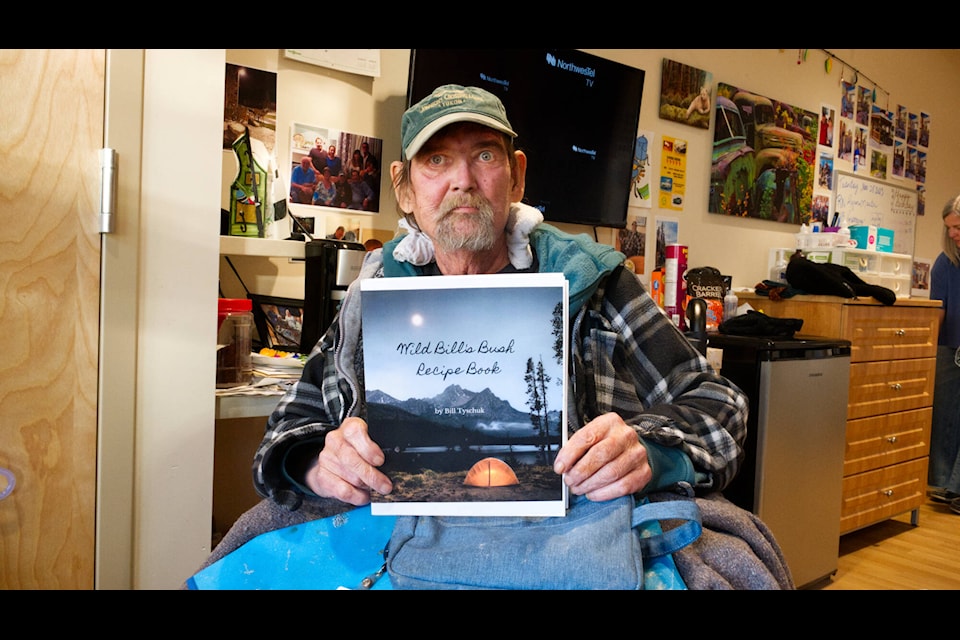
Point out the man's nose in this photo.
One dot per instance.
(461, 176)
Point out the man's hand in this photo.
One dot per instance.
(346, 468)
(604, 460)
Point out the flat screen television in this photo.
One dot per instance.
(576, 116)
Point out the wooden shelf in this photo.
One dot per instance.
(241, 246)
(246, 406)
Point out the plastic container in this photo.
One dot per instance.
(730, 305)
(675, 284)
(234, 329)
(778, 272)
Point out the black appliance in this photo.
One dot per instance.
(331, 265)
(574, 113)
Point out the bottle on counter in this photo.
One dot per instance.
(843, 236)
(730, 305)
(778, 272)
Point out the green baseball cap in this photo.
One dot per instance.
(448, 104)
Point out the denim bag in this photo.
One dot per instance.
(597, 545)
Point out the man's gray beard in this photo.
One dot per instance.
(450, 238)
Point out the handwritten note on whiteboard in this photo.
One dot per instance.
(861, 200)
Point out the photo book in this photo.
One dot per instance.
(466, 392)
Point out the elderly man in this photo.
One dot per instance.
(459, 186)
(303, 180)
(646, 412)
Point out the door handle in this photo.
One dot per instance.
(11, 482)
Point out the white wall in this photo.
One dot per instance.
(179, 235)
(923, 80)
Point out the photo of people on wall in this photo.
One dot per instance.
(335, 169)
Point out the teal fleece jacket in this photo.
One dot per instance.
(584, 262)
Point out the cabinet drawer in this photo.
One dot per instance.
(884, 440)
(890, 333)
(878, 388)
(877, 495)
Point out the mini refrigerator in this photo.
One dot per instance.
(792, 474)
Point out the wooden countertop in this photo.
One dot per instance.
(753, 298)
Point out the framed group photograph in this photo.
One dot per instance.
(279, 322)
(334, 169)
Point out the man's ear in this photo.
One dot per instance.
(401, 191)
(519, 177)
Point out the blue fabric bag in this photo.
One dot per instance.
(597, 545)
(346, 551)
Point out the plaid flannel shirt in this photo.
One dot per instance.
(626, 357)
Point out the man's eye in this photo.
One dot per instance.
(486, 156)
(436, 160)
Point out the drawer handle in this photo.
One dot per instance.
(892, 439)
(900, 333)
(888, 492)
(896, 386)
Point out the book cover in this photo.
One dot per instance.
(466, 392)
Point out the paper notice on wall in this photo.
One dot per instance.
(673, 173)
(365, 62)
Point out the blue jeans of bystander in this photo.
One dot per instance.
(945, 433)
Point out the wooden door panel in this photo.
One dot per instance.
(50, 130)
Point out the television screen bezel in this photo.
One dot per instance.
(499, 58)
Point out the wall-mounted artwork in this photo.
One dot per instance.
(924, 140)
(913, 128)
(825, 171)
(910, 171)
(640, 195)
(900, 126)
(920, 282)
(881, 129)
(848, 98)
(249, 102)
(821, 209)
(828, 116)
(764, 154)
(632, 241)
(685, 94)
(668, 232)
(899, 160)
(845, 140)
(864, 103)
(859, 148)
(334, 169)
(673, 173)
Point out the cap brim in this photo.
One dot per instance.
(463, 116)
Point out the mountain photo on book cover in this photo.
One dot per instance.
(465, 392)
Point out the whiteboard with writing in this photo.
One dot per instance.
(868, 201)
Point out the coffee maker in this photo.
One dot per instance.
(331, 265)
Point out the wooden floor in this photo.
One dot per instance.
(895, 555)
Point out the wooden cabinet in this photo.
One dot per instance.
(889, 408)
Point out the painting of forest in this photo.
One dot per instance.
(685, 94)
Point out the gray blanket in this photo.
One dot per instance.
(735, 551)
